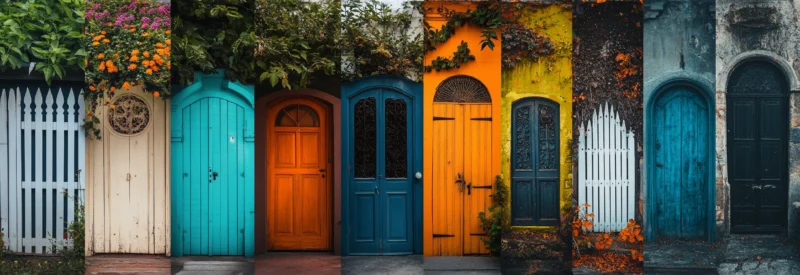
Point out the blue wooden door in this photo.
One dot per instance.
(212, 168)
(535, 162)
(681, 164)
(382, 206)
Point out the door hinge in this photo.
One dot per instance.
(128, 178)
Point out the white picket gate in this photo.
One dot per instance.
(606, 170)
(41, 156)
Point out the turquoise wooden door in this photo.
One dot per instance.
(212, 168)
(383, 193)
(680, 168)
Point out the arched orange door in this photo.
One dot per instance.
(298, 176)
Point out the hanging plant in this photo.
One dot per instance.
(127, 43)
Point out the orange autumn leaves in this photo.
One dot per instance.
(593, 250)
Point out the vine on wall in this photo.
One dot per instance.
(520, 42)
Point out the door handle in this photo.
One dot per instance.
(322, 170)
(214, 175)
(469, 189)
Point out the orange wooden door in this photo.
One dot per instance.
(298, 181)
(462, 180)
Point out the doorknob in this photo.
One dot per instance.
(214, 175)
(418, 175)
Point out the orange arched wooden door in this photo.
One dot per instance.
(462, 176)
(298, 177)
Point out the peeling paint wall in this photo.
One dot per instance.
(678, 46)
(548, 77)
(747, 30)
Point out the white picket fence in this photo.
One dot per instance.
(41, 156)
(606, 170)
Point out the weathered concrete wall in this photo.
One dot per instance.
(548, 77)
(607, 65)
(769, 30)
(678, 46)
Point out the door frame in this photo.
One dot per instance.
(706, 94)
(513, 161)
(272, 110)
(204, 86)
(412, 90)
(263, 108)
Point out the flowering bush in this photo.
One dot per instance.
(127, 44)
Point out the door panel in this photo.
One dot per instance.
(298, 185)
(447, 208)
(681, 165)
(477, 156)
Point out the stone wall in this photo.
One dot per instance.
(747, 30)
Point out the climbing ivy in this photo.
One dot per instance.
(520, 42)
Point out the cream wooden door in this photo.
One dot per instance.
(128, 210)
(462, 179)
(298, 184)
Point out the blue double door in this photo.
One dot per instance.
(382, 151)
(212, 168)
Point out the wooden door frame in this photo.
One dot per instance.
(513, 161)
(412, 90)
(706, 94)
(263, 106)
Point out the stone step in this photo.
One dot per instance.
(216, 266)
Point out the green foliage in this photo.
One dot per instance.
(494, 224)
(378, 40)
(48, 32)
(296, 40)
(487, 15)
(210, 34)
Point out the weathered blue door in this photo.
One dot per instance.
(383, 194)
(680, 168)
(535, 162)
(212, 168)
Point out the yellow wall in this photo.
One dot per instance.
(486, 68)
(549, 77)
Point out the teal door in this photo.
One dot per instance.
(212, 168)
(680, 167)
(383, 202)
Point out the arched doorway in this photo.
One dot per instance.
(461, 157)
(535, 162)
(757, 124)
(299, 168)
(680, 163)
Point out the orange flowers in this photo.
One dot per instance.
(126, 85)
(133, 58)
(101, 56)
(156, 94)
(92, 88)
(132, 67)
(148, 71)
(95, 43)
(146, 54)
(146, 34)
